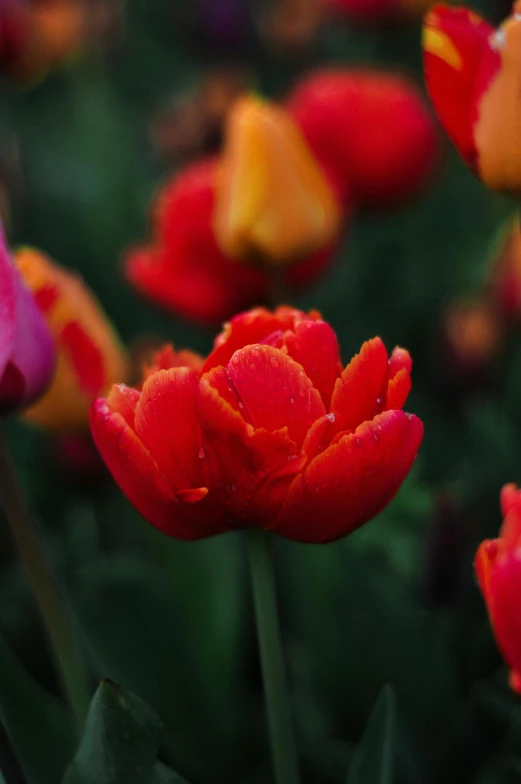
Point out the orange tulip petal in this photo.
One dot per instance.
(275, 390)
(358, 390)
(352, 481)
(140, 478)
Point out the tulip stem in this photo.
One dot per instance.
(283, 747)
(46, 594)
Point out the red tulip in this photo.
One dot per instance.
(371, 128)
(183, 269)
(498, 566)
(472, 74)
(27, 355)
(272, 433)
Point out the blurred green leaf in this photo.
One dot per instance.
(40, 729)
(373, 760)
(121, 742)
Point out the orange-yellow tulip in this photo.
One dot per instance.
(90, 355)
(274, 202)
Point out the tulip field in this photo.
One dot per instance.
(260, 392)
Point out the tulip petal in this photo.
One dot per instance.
(314, 345)
(254, 326)
(454, 41)
(8, 288)
(275, 391)
(503, 603)
(140, 478)
(239, 461)
(166, 422)
(352, 481)
(510, 496)
(358, 391)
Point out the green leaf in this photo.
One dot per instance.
(121, 742)
(40, 728)
(373, 760)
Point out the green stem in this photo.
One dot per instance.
(43, 585)
(283, 747)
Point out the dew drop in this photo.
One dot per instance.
(201, 454)
(292, 399)
(358, 442)
(252, 365)
(274, 362)
(379, 401)
(331, 417)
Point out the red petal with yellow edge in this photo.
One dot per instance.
(275, 391)
(238, 461)
(253, 326)
(139, 477)
(314, 345)
(503, 605)
(454, 42)
(357, 391)
(352, 481)
(167, 424)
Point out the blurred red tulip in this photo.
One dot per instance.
(372, 129)
(472, 72)
(498, 566)
(27, 356)
(273, 434)
(183, 269)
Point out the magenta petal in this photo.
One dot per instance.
(27, 354)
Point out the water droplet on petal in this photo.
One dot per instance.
(331, 417)
(201, 454)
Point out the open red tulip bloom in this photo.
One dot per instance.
(271, 433)
(27, 355)
(472, 74)
(498, 566)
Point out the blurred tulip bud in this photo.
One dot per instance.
(472, 74)
(90, 355)
(473, 334)
(26, 347)
(273, 202)
(372, 129)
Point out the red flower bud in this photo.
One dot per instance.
(272, 433)
(498, 566)
(372, 129)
